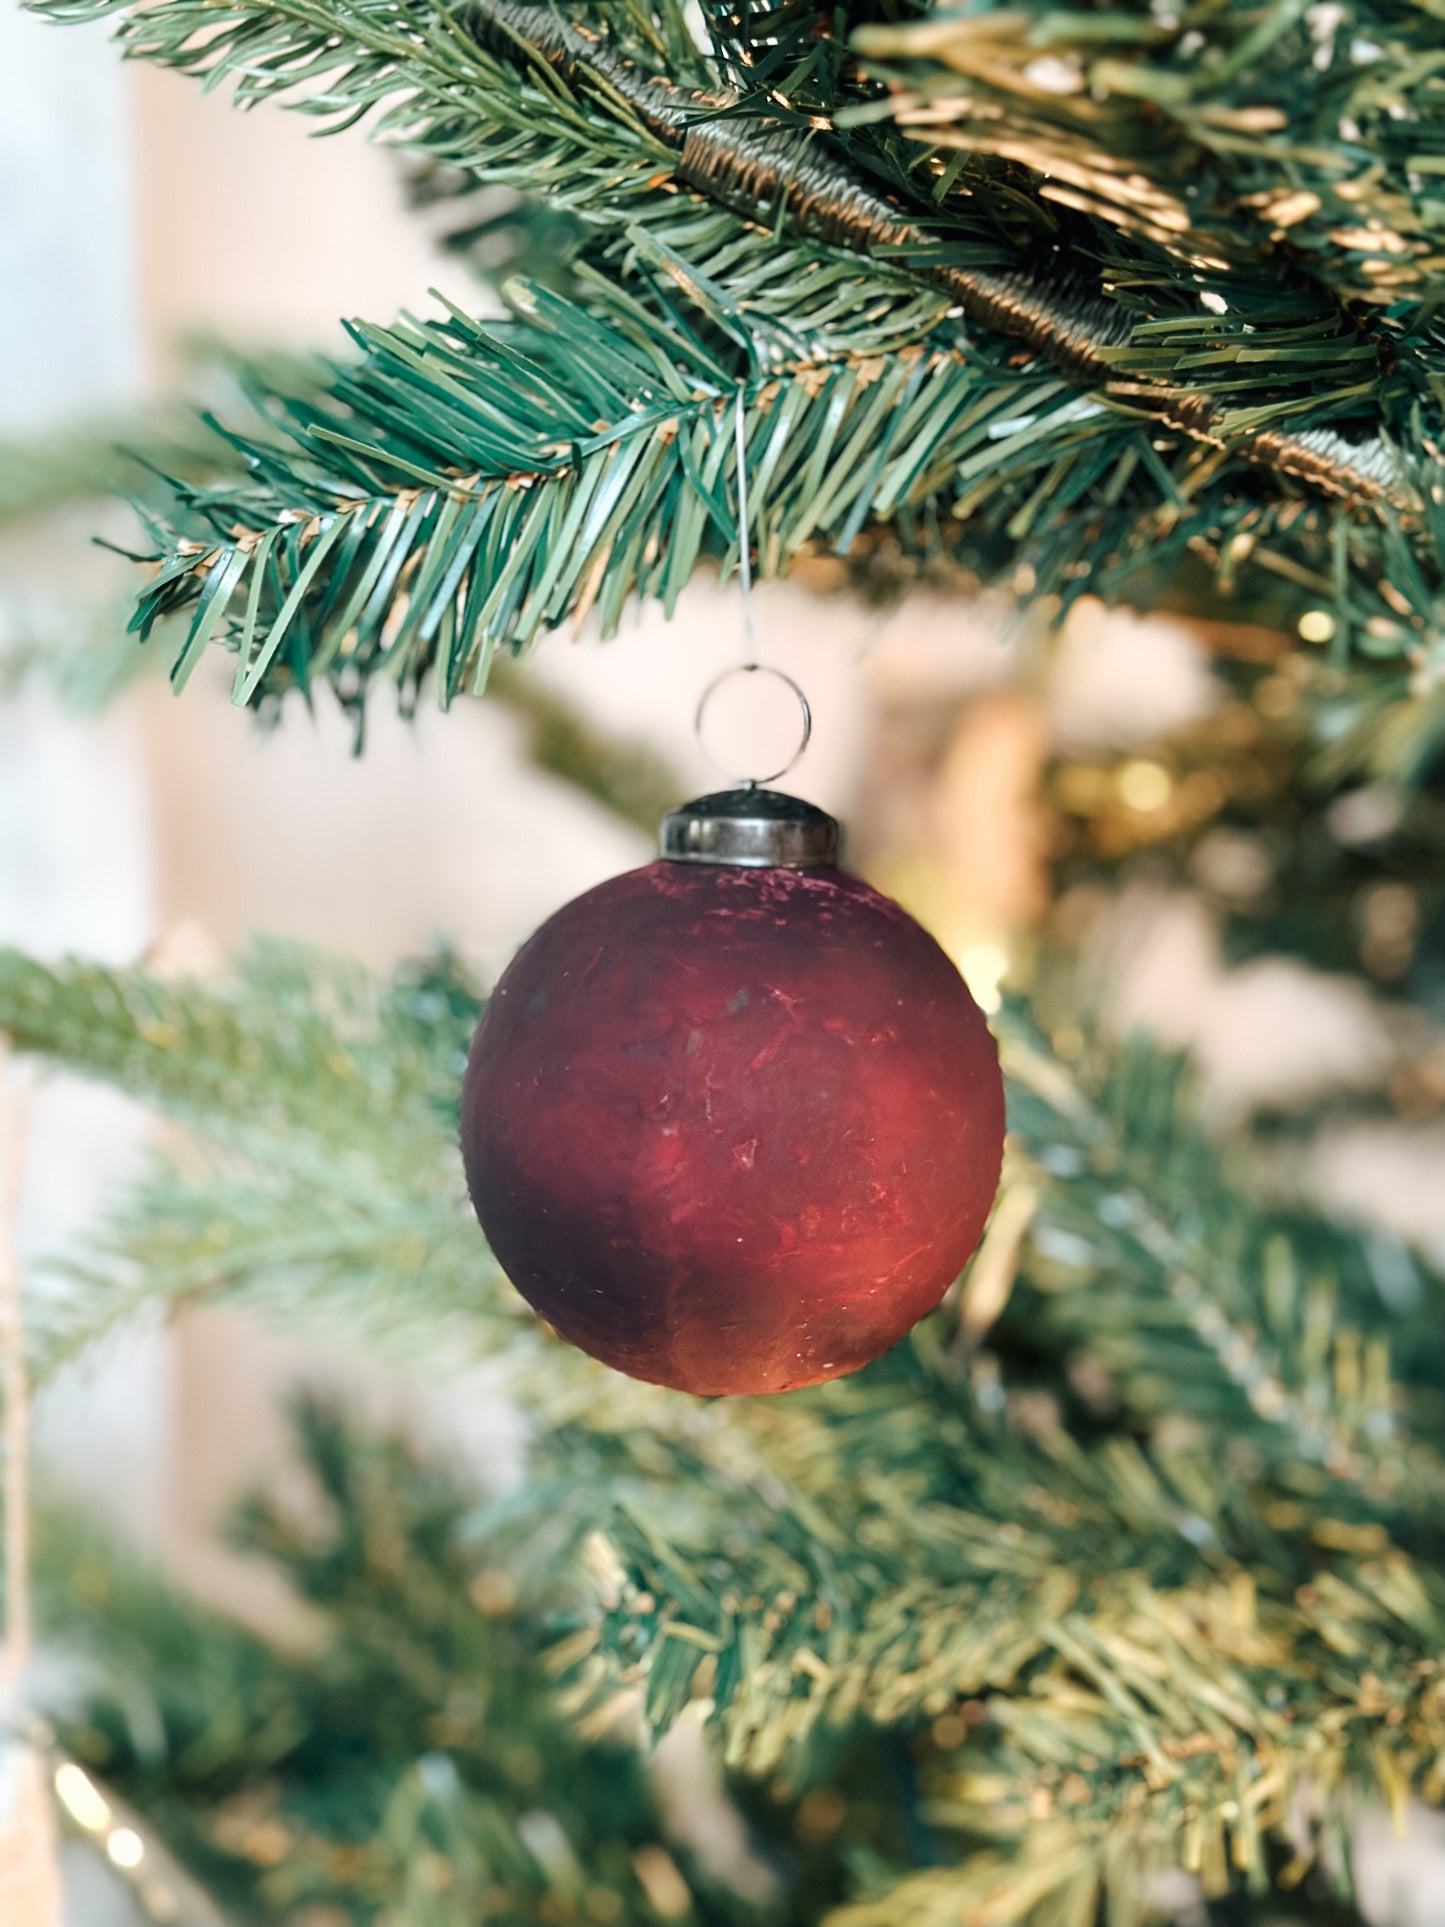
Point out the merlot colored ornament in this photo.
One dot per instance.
(732, 1122)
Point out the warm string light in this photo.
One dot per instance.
(168, 1896)
(93, 1814)
(82, 1798)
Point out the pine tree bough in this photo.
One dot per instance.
(1306, 136)
(418, 1734)
(1227, 413)
(760, 168)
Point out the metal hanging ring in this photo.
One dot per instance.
(753, 669)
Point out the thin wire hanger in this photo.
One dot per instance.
(751, 664)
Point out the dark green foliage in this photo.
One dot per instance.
(408, 1763)
(987, 464)
(597, 467)
(1279, 138)
(443, 496)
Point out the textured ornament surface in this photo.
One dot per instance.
(732, 1130)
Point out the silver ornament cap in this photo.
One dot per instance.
(752, 829)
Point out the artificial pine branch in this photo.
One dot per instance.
(1308, 137)
(465, 484)
(1094, 1643)
(256, 1756)
(766, 169)
(285, 1047)
(426, 81)
(307, 1249)
(330, 1101)
(410, 1766)
(1116, 505)
(1264, 1322)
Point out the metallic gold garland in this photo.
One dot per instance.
(757, 166)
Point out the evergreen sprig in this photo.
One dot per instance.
(418, 70)
(464, 485)
(1205, 1305)
(329, 1101)
(1250, 1347)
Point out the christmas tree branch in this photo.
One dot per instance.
(1250, 136)
(426, 79)
(1203, 1303)
(89, 672)
(611, 112)
(465, 484)
(303, 1256)
(1078, 1623)
(409, 1763)
(765, 168)
(331, 1102)
(580, 114)
(1116, 505)
(287, 1046)
(1076, 1646)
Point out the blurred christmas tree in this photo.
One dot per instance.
(1128, 1564)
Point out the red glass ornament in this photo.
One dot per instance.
(732, 1129)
